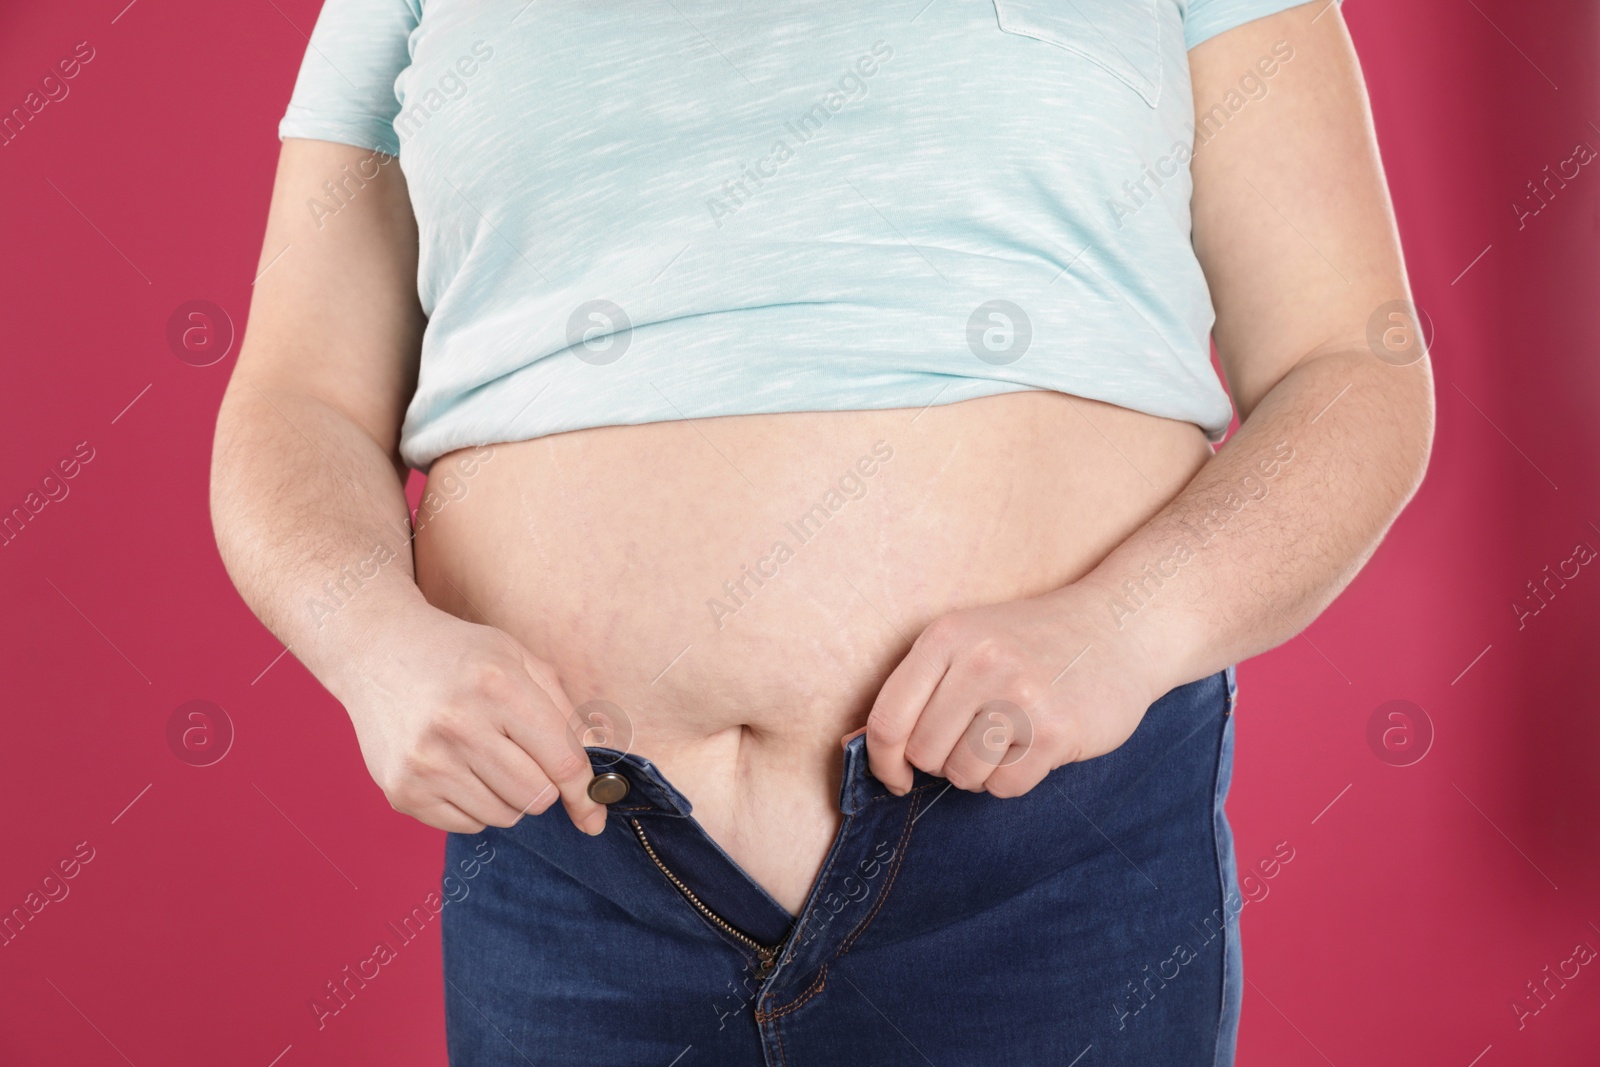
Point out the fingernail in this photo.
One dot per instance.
(595, 823)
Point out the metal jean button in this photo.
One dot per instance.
(608, 788)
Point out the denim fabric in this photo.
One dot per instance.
(1092, 921)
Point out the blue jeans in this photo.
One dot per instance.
(1092, 921)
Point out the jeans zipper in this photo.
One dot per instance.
(768, 954)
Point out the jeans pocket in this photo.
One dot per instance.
(1122, 37)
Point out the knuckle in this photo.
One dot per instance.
(451, 725)
(964, 781)
(942, 633)
(988, 654)
(1070, 749)
(881, 731)
(413, 768)
(1027, 692)
(538, 792)
(918, 755)
(1049, 733)
(565, 765)
(490, 680)
(546, 673)
(1010, 785)
(400, 795)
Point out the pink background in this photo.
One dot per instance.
(220, 899)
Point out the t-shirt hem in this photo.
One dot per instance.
(452, 431)
(1221, 16)
(357, 133)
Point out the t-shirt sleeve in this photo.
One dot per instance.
(345, 89)
(1206, 18)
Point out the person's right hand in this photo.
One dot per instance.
(462, 728)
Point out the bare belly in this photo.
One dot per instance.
(741, 587)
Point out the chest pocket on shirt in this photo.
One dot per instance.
(1121, 36)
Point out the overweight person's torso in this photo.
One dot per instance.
(736, 590)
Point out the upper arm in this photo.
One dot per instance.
(335, 313)
(1292, 221)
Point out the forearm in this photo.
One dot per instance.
(1277, 524)
(312, 523)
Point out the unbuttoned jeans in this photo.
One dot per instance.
(1091, 921)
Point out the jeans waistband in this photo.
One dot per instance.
(649, 789)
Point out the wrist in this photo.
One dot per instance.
(345, 650)
(1131, 626)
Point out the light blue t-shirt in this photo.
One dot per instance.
(636, 212)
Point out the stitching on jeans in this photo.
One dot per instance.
(908, 793)
(905, 839)
(783, 1054)
(900, 855)
(794, 935)
(844, 946)
(795, 1005)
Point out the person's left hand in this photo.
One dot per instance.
(995, 698)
